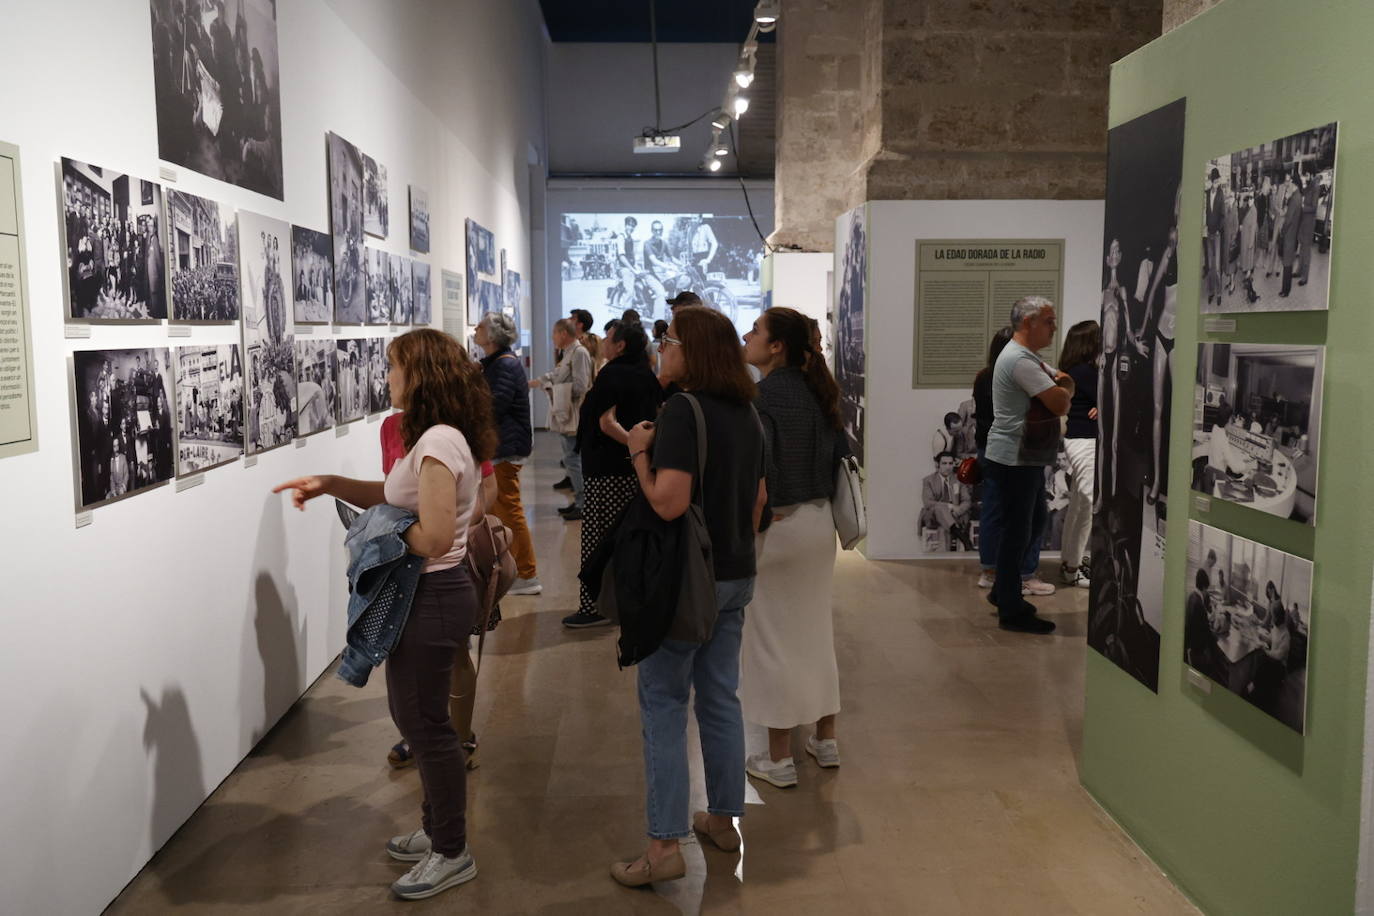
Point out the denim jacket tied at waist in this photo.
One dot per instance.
(382, 578)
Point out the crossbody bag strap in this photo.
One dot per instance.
(489, 599)
(699, 484)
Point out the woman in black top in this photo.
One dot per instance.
(702, 355)
(1080, 357)
(625, 393)
(788, 673)
(990, 505)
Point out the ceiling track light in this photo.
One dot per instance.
(722, 119)
(766, 14)
(741, 104)
(744, 69)
(712, 164)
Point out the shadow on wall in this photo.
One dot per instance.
(278, 638)
(178, 777)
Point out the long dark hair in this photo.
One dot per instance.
(793, 330)
(1082, 345)
(999, 342)
(713, 361)
(443, 385)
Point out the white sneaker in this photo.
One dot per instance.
(826, 751)
(986, 579)
(1036, 586)
(781, 773)
(1076, 579)
(435, 874)
(409, 847)
(528, 586)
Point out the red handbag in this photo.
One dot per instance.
(968, 472)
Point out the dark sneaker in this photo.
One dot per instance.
(1028, 623)
(581, 621)
(564, 484)
(575, 515)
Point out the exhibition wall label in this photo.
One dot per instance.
(965, 289)
(18, 425)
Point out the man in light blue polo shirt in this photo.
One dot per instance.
(1020, 378)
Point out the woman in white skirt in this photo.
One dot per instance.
(788, 674)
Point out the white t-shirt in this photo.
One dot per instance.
(450, 448)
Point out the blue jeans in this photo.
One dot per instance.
(1022, 492)
(990, 527)
(572, 463)
(666, 679)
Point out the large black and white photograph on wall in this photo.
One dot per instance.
(116, 264)
(352, 385)
(851, 283)
(346, 227)
(419, 220)
(314, 275)
(376, 215)
(209, 406)
(611, 262)
(420, 314)
(1257, 426)
(490, 297)
(218, 94)
(403, 290)
(123, 420)
(378, 368)
(1268, 212)
(481, 269)
(268, 351)
(1247, 620)
(1138, 323)
(379, 286)
(513, 294)
(203, 242)
(316, 392)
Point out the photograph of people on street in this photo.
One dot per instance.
(1247, 620)
(377, 369)
(203, 240)
(316, 394)
(617, 261)
(1269, 210)
(209, 406)
(419, 220)
(1257, 425)
(267, 334)
(351, 370)
(346, 227)
(124, 423)
(379, 286)
(115, 260)
(421, 310)
(314, 272)
(481, 269)
(217, 88)
(402, 290)
(851, 280)
(376, 215)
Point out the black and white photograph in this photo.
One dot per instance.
(1247, 621)
(316, 392)
(376, 216)
(378, 367)
(1138, 323)
(851, 283)
(419, 220)
(379, 286)
(203, 242)
(513, 295)
(421, 314)
(218, 93)
(354, 390)
(346, 228)
(616, 261)
(124, 421)
(268, 351)
(314, 274)
(1266, 244)
(116, 263)
(490, 297)
(403, 290)
(1257, 426)
(209, 406)
(481, 268)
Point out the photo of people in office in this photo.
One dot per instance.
(851, 280)
(124, 424)
(1269, 209)
(1247, 620)
(1256, 426)
(115, 259)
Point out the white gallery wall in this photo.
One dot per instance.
(152, 649)
(900, 417)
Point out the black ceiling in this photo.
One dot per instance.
(628, 20)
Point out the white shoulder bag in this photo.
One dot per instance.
(847, 506)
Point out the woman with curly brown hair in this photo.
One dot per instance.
(447, 429)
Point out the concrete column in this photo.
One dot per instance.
(1177, 12)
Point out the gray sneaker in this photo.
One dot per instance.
(408, 847)
(435, 874)
(528, 586)
(826, 752)
(781, 773)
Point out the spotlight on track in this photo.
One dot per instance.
(766, 14)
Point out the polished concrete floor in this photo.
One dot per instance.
(958, 793)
